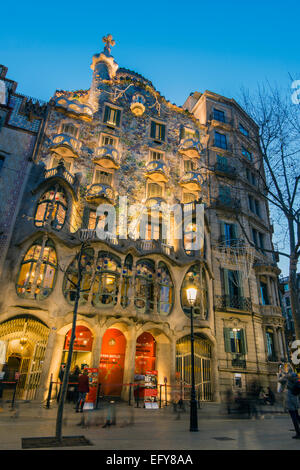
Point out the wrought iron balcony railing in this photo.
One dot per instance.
(224, 302)
(227, 170)
(238, 360)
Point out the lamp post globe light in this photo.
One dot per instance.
(191, 294)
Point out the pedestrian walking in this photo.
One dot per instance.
(83, 390)
(291, 388)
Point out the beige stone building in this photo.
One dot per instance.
(121, 138)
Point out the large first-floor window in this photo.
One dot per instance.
(38, 270)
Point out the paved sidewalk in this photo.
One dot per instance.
(139, 428)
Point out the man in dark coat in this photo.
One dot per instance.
(288, 380)
(83, 390)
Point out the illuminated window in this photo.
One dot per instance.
(69, 129)
(52, 208)
(56, 161)
(165, 289)
(189, 197)
(37, 272)
(112, 116)
(235, 340)
(157, 131)
(155, 190)
(144, 286)
(72, 275)
(126, 281)
(108, 140)
(106, 283)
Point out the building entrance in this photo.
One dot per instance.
(23, 343)
(202, 354)
(112, 359)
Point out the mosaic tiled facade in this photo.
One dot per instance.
(122, 138)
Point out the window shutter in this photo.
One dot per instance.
(85, 217)
(243, 342)
(163, 132)
(118, 117)
(106, 113)
(235, 231)
(227, 342)
(152, 132)
(182, 133)
(222, 231)
(240, 281)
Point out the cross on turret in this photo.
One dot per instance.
(109, 42)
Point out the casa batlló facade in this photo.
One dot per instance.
(121, 138)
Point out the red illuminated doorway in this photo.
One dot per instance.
(82, 348)
(145, 353)
(112, 358)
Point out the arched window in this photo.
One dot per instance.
(106, 284)
(71, 277)
(144, 286)
(52, 208)
(165, 290)
(198, 278)
(37, 272)
(126, 281)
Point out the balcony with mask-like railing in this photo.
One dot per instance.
(65, 145)
(192, 180)
(157, 171)
(101, 190)
(107, 156)
(191, 147)
(73, 108)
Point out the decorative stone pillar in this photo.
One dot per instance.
(129, 366)
(52, 361)
(97, 344)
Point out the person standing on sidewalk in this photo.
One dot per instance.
(83, 390)
(288, 380)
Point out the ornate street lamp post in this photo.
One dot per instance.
(191, 293)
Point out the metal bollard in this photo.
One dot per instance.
(49, 392)
(129, 397)
(98, 395)
(138, 397)
(14, 396)
(166, 397)
(160, 395)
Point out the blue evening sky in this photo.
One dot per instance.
(180, 46)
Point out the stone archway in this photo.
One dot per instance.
(24, 339)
